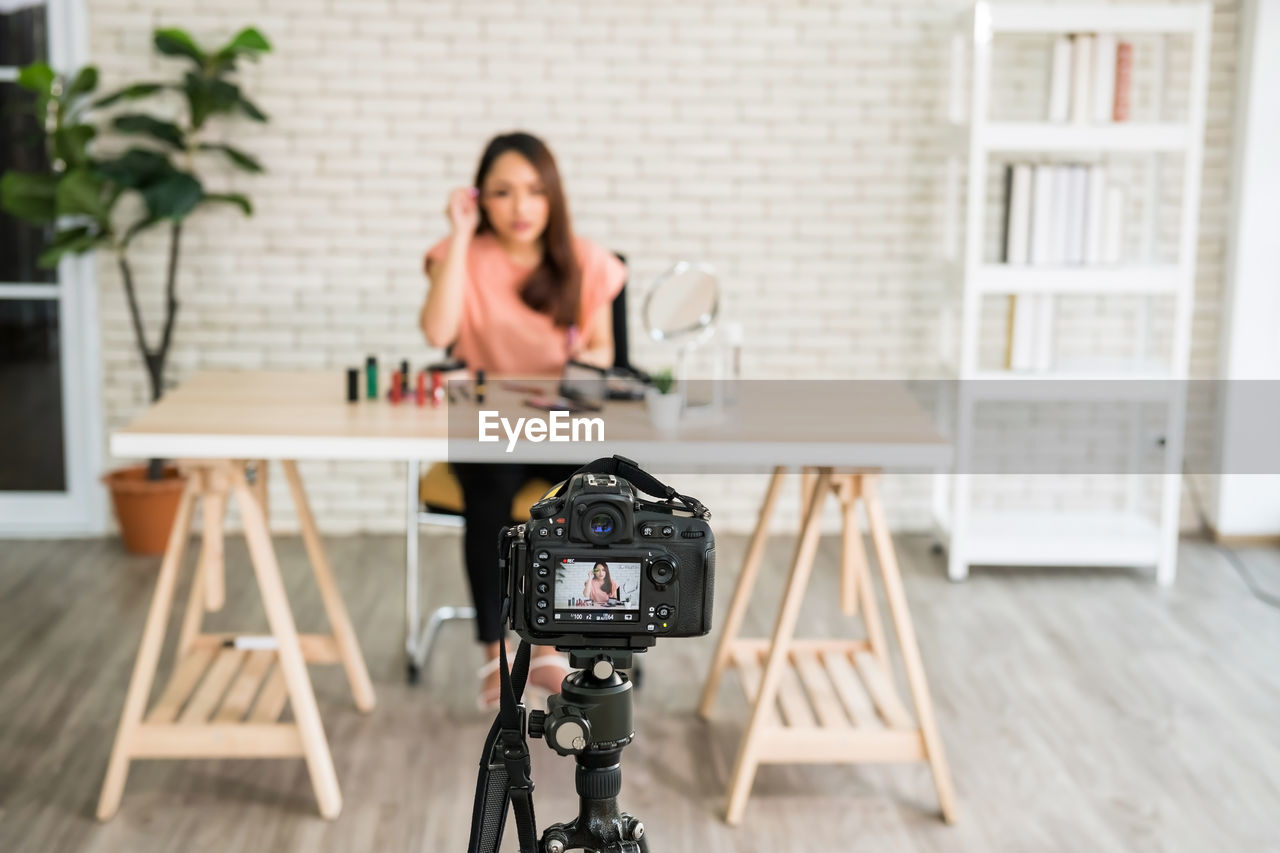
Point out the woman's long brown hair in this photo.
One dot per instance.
(555, 286)
(607, 585)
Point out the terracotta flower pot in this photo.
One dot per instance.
(145, 508)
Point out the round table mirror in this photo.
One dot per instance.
(683, 303)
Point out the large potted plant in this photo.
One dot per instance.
(115, 174)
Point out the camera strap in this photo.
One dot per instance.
(505, 779)
(629, 470)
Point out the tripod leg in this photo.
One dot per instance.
(744, 771)
(741, 595)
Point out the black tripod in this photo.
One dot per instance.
(591, 720)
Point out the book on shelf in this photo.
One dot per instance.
(1031, 320)
(1059, 224)
(1041, 208)
(1090, 79)
(1062, 214)
(1104, 77)
(1017, 252)
(1094, 207)
(1123, 96)
(1055, 215)
(1077, 187)
(1081, 72)
(1060, 80)
(1017, 213)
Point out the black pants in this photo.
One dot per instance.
(487, 492)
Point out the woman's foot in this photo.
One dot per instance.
(547, 669)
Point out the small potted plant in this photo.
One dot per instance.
(662, 401)
(78, 199)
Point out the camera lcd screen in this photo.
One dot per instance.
(591, 590)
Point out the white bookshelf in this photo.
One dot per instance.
(1127, 536)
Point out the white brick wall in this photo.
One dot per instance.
(796, 146)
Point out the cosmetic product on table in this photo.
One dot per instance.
(371, 377)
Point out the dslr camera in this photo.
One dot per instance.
(597, 567)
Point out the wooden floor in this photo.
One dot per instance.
(1082, 710)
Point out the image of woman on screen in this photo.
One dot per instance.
(599, 588)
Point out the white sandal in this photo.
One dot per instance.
(535, 696)
(543, 661)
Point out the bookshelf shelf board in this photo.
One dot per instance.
(1091, 18)
(1062, 387)
(1053, 137)
(1061, 538)
(1117, 280)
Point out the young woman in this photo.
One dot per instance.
(599, 587)
(514, 292)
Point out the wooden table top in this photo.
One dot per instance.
(304, 415)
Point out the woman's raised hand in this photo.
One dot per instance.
(463, 211)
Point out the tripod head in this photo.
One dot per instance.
(592, 712)
(591, 719)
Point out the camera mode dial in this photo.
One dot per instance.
(544, 509)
